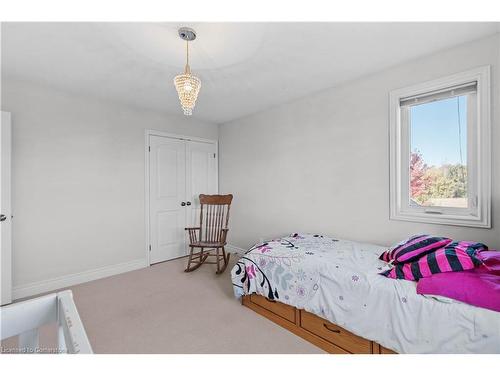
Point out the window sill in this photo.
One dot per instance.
(428, 218)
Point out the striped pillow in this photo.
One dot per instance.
(457, 256)
(413, 248)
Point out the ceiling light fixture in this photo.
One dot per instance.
(187, 85)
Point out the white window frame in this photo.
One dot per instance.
(478, 151)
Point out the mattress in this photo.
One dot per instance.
(339, 280)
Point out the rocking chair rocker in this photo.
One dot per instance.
(211, 234)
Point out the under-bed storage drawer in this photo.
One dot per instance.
(386, 351)
(334, 334)
(280, 309)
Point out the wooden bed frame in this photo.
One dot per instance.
(318, 331)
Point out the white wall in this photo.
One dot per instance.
(320, 164)
(78, 180)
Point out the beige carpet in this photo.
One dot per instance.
(162, 309)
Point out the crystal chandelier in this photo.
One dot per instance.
(187, 85)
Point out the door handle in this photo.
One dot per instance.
(183, 204)
(188, 203)
(3, 217)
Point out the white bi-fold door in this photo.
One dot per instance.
(179, 170)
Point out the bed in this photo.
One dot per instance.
(329, 292)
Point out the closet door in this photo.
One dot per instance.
(201, 176)
(167, 166)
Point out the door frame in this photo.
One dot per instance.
(147, 134)
(6, 170)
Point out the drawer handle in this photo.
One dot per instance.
(331, 329)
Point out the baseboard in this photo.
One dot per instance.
(235, 249)
(49, 285)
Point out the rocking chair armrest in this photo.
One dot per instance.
(193, 233)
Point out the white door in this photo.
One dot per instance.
(167, 191)
(201, 176)
(179, 170)
(5, 210)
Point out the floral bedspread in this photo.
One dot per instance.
(288, 269)
(339, 280)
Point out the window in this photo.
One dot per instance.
(440, 151)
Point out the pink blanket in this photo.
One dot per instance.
(478, 287)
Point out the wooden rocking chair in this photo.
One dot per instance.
(211, 234)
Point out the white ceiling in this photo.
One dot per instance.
(244, 67)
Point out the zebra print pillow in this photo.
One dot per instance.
(457, 256)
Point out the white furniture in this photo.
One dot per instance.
(178, 170)
(23, 319)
